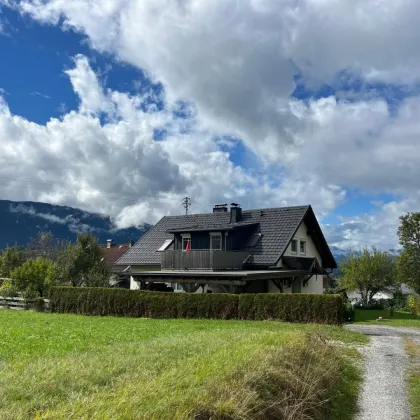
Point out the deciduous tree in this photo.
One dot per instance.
(10, 259)
(368, 272)
(45, 245)
(82, 264)
(409, 260)
(35, 277)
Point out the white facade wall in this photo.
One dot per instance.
(316, 283)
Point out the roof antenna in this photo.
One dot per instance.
(186, 203)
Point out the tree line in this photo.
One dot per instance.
(370, 271)
(47, 261)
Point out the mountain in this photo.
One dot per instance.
(22, 220)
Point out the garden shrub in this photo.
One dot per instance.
(374, 305)
(326, 309)
(7, 289)
(348, 312)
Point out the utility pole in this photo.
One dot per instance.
(186, 203)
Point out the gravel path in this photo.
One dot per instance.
(384, 394)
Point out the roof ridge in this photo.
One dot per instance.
(243, 211)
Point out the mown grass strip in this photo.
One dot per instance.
(398, 319)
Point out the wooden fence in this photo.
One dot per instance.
(19, 303)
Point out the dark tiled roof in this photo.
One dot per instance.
(205, 228)
(111, 255)
(277, 226)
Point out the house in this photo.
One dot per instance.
(233, 251)
(111, 253)
(355, 296)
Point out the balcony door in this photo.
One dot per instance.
(185, 238)
(215, 241)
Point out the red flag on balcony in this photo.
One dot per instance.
(188, 246)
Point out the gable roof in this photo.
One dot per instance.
(276, 225)
(112, 254)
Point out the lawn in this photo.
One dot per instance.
(55, 366)
(399, 319)
(413, 351)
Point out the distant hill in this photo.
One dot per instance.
(20, 221)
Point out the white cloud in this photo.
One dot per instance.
(235, 62)
(113, 165)
(41, 95)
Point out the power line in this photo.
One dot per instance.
(186, 203)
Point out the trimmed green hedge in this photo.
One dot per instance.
(325, 309)
(137, 303)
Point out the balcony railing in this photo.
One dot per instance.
(202, 260)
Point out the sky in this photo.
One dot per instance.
(124, 107)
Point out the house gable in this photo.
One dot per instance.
(274, 227)
(311, 250)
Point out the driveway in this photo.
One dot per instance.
(384, 394)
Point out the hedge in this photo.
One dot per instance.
(325, 309)
(138, 303)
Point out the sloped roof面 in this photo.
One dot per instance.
(276, 227)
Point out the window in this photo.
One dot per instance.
(302, 247)
(186, 237)
(294, 246)
(215, 241)
(166, 245)
(253, 240)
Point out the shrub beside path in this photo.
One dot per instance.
(384, 394)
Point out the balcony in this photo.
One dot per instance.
(202, 260)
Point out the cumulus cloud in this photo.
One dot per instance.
(235, 62)
(103, 158)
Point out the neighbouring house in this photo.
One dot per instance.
(111, 253)
(355, 296)
(233, 251)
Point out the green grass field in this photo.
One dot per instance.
(67, 366)
(413, 351)
(399, 319)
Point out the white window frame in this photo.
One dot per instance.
(304, 242)
(185, 236)
(166, 245)
(219, 234)
(291, 246)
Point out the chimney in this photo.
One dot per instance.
(220, 208)
(109, 243)
(130, 243)
(235, 213)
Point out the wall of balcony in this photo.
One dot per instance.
(202, 260)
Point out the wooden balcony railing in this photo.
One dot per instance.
(202, 260)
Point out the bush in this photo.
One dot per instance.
(39, 305)
(413, 303)
(348, 312)
(35, 277)
(374, 305)
(7, 289)
(325, 309)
